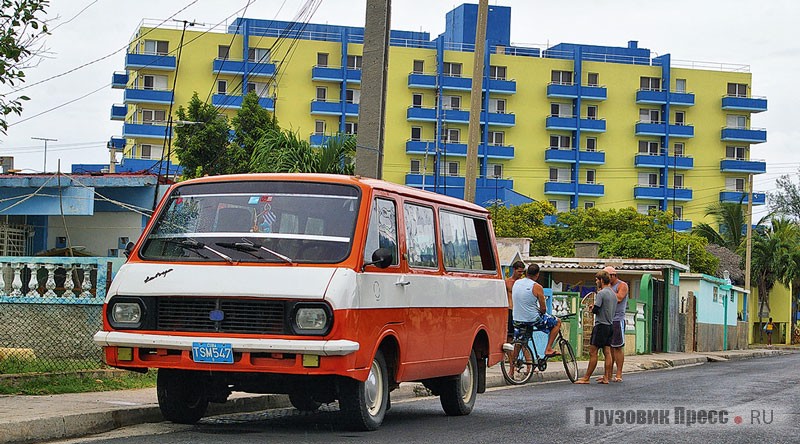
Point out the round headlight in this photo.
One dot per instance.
(311, 318)
(126, 313)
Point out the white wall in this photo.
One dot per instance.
(98, 233)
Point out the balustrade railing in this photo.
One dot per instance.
(54, 280)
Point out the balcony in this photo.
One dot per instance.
(663, 161)
(554, 155)
(653, 97)
(145, 130)
(681, 225)
(752, 104)
(150, 61)
(331, 74)
(568, 188)
(558, 123)
(428, 81)
(660, 129)
(741, 197)
(330, 108)
(659, 192)
(746, 135)
(240, 67)
(457, 116)
(228, 101)
(560, 90)
(458, 149)
(318, 139)
(118, 112)
(743, 166)
(116, 143)
(456, 183)
(119, 80)
(151, 96)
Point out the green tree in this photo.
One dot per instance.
(249, 125)
(786, 200)
(282, 151)
(526, 220)
(730, 219)
(202, 142)
(21, 30)
(784, 250)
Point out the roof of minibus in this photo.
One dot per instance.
(364, 182)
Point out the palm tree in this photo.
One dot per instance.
(282, 151)
(730, 219)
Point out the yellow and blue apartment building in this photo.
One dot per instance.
(577, 125)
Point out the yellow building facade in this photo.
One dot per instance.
(576, 125)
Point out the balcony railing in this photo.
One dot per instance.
(660, 129)
(335, 74)
(661, 97)
(681, 225)
(660, 192)
(457, 116)
(53, 280)
(570, 123)
(239, 67)
(118, 112)
(556, 155)
(333, 108)
(155, 130)
(663, 161)
(751, 166)
(570, 91)
(150, 61)
(751, 104)
(119, 80)
(736, 197)
(568, 187)
(230, 101)
(428, 81)
(141, 95)
(746, 135)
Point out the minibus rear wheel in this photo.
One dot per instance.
(457, 394)
(303, 401)
(181, 396)
(364, 403)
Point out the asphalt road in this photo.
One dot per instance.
(756, 400)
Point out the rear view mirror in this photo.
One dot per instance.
(381, 258)
(128, 249)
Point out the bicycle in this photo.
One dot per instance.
(526, 358)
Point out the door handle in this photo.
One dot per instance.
(402, 283)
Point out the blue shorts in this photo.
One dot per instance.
(545, 323)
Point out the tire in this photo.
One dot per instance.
(304, 402)
(523, 365)
(364, 404)
(181, 396)
(458, 393)
(568, 357)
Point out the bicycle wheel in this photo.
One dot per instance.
(523, 365)
(568, 357)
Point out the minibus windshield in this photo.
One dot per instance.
(255, 221)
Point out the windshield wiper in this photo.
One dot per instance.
(241, 246)
(191, 244)
(248, 244)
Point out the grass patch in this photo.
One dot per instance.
(57, 383)
(20, 364)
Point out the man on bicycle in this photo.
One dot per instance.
(530, 311)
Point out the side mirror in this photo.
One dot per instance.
(128, 249)
(381, 258)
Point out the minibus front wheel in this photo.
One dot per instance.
(364, 404)
(182, 397)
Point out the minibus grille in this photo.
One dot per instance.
(238, 315)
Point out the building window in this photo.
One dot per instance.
(258, 55)
(679, 150)
(353, 96)
(650, 83)
(650, 115)
(451, 135)
(416, 133)
(649, 147)
(416, 101)
(561, 110)
(593, 79)
(415, 166)
(735, 184)
(153, 116)
(451, 69)
(419, 67)
(591, 112)
(322, 94)
(322, 59)
(158, 83)
(680, 118)
(678, 212)
(591, 176)
(561, 77)
(497, 106)
(319, 127)
(560, 175)
(496, 170)
(561, 206)
(223, 52)
(448, 168)
(261, 89)
(157, 47)
(222, 87)
(451, 103)
(588, 204)
(735, 152)
(496, 138)
(556, 142)
(497, 72)
(737, 89)
(354, 62)
(739, 122)
(351, 128)
(677, 181)
(680, 85)
(150, 151)
(715, 295)
(646, 209)
(649, 180)
(591, 144)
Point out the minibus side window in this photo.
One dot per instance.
(382, 229)
(420, 236)
(466, 243)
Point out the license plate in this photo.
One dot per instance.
(213, 352)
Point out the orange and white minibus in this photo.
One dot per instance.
(323, 287)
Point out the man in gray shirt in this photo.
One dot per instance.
(605, 304)
(618, 325)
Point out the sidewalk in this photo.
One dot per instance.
(25, 419)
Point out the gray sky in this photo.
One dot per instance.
(758, 34)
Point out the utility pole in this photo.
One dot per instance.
(476, 102)
(372, 109)
(44, 167)
(749, 240)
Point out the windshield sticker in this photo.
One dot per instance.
(253, 200)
